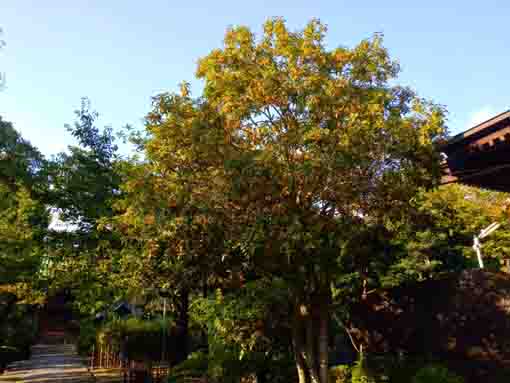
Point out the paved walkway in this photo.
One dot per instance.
(55, 363)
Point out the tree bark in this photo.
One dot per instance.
(182, 327)
(311, 349)
(297, 344)
(205, 335)
(324, 340)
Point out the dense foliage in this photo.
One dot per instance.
(292, 148)
(23, 215)
(24, 222)
(300, 180)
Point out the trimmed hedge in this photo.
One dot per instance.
(141, 339)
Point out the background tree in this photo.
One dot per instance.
(20, 162)
(84, 180)
(85, 183)
(440, 227)
(24, 217)
(24, 222)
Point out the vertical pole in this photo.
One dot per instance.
(476, 246)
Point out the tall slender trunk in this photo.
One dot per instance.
(298, 346)
(205, 291)
(182, 326)
(310, 338)
(311, 349)
(301, 368)
(324, 340)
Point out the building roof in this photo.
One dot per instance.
(480, 156)
(480, 127)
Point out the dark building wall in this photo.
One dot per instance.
(463, 319)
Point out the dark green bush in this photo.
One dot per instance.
(395, 368)
(142, 339)
(18, 332)
(340, 374)
(195, 366)
(361, 373)
(436, 374)
(86, 338)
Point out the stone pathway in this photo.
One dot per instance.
(55, 363)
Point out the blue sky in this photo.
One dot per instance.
(120, 53)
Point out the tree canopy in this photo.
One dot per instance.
(299, 179)
(294, 145)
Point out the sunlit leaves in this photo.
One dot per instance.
(22, 224)
(23, 214)
(293, 136)
(291, 149)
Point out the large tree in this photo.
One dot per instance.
(295, 146)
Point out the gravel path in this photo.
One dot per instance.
(55, 363)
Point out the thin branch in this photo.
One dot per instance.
(349, 334)
(266, 112)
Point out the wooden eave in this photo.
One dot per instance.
(480, 156)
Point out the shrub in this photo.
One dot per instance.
(142, 339)
(87, 337)
(360, 373)
(340, 374)
(18, 330)
(396, 368)
(195, 366)
(436, 374)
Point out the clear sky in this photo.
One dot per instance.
(120, 53)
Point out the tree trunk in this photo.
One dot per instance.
(311, 341)
(311, 349)
(297, 344)
(182, 340)
(324, 340)
(205, 335)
